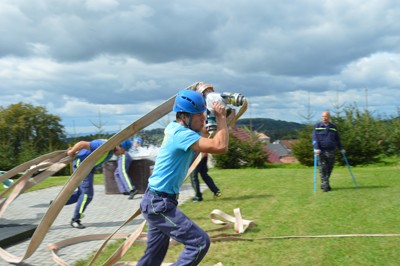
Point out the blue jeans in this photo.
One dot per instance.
(166, 221)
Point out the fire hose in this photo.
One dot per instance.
(55, 161)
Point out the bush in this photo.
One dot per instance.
(242, 153)
(303, 149)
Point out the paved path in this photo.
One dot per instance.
(104, 215)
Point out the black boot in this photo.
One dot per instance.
(325, 186)
(132, 193)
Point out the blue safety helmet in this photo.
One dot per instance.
(126, 144)
(139, 140)
(189, 101)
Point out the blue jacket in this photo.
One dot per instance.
(94, 144)
(325, 137)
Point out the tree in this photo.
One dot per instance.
(303, 149)
(360, 135)
(99, 126)
(26, 132)
(242, 153)
(390, 135)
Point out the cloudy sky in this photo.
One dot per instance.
(109, 62)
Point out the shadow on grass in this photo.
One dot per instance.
(359, 187)
(244, 197)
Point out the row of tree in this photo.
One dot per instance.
(27, 132)
(275, 129)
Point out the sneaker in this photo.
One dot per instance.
(217, 194)
(196, 199)
(77, 224)
(132, 193)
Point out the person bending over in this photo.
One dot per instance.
(85, 192)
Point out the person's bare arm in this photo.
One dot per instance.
(219, 143)
(204, 132)
(78, 147)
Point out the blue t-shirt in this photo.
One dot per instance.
(94, 144)
(173, 159)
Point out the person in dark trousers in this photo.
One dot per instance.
(325, 139)
(202, 168)
(84, 194)
(122, 177)
(121, 174)
(182, 140)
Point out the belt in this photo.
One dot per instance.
(163, 194)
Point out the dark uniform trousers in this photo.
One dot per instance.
(166, 221)
(82, 196)
(326, 161)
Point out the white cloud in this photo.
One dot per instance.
(381, 69)
(101, 5)
(126, 57)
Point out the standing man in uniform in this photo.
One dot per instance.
(325, 139)
(181, 142)
(84, 194)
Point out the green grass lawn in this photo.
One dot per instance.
(282, 202)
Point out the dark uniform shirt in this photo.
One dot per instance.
(326, 137)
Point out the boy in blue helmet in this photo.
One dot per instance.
(181, 142)
(84, 194)
(137, 142)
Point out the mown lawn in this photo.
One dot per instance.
(282, 202)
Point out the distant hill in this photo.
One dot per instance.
(275, 129)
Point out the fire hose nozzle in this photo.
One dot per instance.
(235, 99)
(226, 98)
